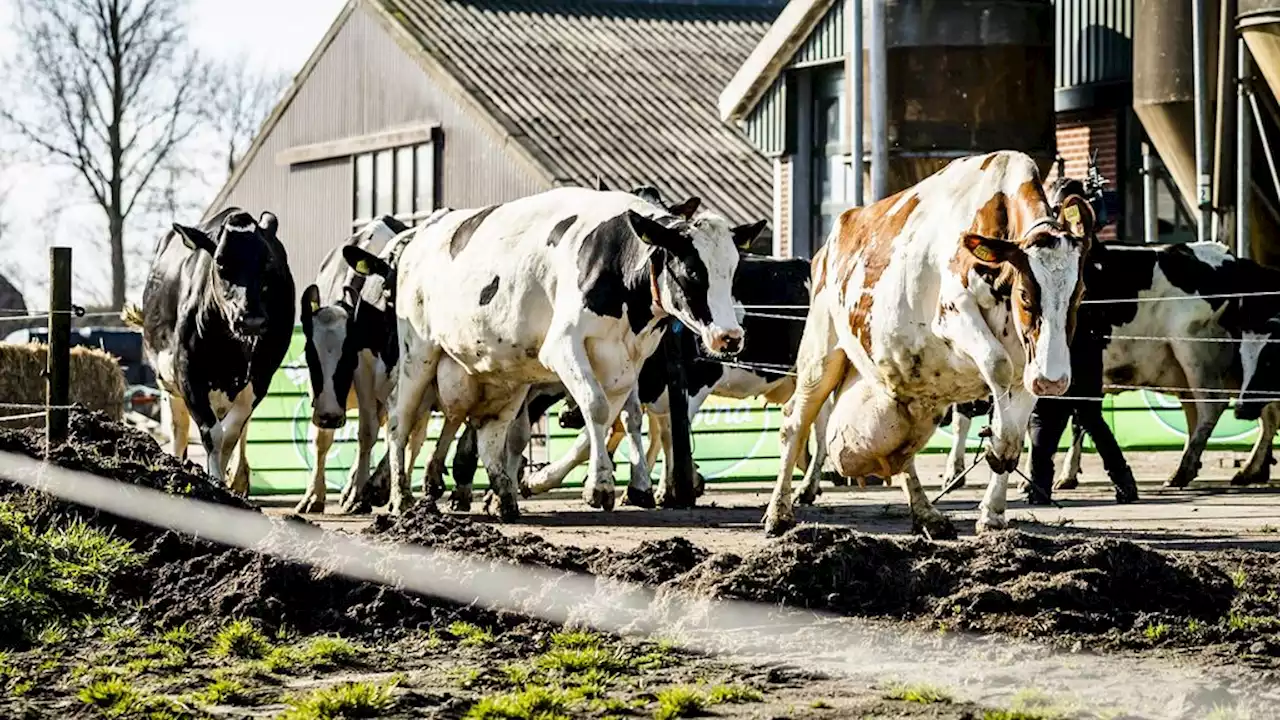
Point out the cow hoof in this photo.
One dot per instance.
(599, 496)
(400, 506)
(525, 491)
(1179, 480)
(699, 484)
(435, 490)
(991, 522)
(1127, 495)
(668, 500)
(460, 500)
(834, 478)
(808, 496)
(776, 524)
(934, 527)
(1067, 482)
(952, 482)
(310, 504)
(641, 498)
(1256, 478)
(505, 509)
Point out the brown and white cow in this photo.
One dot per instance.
(963, 286)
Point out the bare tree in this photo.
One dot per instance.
(109, 88)
(242, 99)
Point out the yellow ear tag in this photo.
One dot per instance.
(315, 306)
(362, 267)
(983, 253)
(1072, 213)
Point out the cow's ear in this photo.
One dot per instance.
(990, 251)
(686, 209)
(744, 235)
(601, 185)
(1076, 215)
(269, 223)
(652, 232)
(310, 303)
(195, 238)
(364, 262)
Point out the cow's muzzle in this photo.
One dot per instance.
(1044, 387)
(329, 421)
(252, 325)
(725, 342)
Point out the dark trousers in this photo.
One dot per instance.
(1049, 420)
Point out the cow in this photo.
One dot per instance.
(571, 285)
(217, 319)
(919, 302)
(350, 350)
(761, 370)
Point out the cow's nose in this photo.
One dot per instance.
(1046, 387)
(329, 421)
(727, 342)
(253, 324)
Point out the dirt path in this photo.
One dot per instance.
(1209, 516)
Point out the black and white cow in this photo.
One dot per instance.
(217, 319)
(351, 350)
(572, 285)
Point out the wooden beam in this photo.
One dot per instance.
(346, 147)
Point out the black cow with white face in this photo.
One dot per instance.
(351, 350)
(217, 319)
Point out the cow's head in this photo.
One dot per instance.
(1041, 271)
(333, 334)
(240, 255)
(693, 265)
(1256, 320)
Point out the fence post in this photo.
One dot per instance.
(58, 371)
(680, 494)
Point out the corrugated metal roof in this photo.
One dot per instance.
(626, 91)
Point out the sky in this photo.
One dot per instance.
(273, 35)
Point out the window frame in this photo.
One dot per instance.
(416, 152)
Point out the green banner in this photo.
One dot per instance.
(733, 440)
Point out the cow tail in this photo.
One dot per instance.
(132, 316)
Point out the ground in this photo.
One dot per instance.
(697, 612)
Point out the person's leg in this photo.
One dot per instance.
(1048, 421)
(1089, 415)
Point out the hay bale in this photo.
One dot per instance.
(97, 382)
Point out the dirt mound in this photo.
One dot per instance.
(1010, 581)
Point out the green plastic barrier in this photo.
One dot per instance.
(732, 440)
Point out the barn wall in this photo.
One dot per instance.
(366, 83)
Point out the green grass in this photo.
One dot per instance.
(820, 704)
(464, 677)
(224, 691)
(532, 703)
(117, 698)
(469, 635)
(341, 702)
(56, 574)
(240, 639)
(1236, 621)
(1194, 626)
(180, 636)
(318, 653)
(573, 661)
(1155, 632)
(575, 639)
(1028, 705)
(680, 702)
(120, 634)
(1239, 578)
(734, 694)
(918, 693)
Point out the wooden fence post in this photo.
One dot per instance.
(58, 371)
(680, 494)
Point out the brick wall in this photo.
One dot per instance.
(782, 206)
(1078, 135)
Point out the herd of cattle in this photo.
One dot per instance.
(962, 288)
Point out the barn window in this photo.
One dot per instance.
(395, 181)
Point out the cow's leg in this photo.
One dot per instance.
(640, 487)
(434, 482)
(495, 440)
(240, 476)
(553, 475)
(414, 390)
(695, 403)
(1018, 406)
(1258, 468)
(820, 368)
(365, 388)
(1206, 414)
(1070, 479)
(925, 518)
(956, 460)
(655, 438)
(224, 436)
(180, 425)
(465, 459)
(313, 501)
(814, 473)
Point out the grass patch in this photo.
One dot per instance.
(240, 639)
(464, 677)
(180, 636)
(1155, 632)
(116, 697)
(1194, 626)
(341, 702)
(1239, 578)
(574, 661)
(820, 704)
(1235, 621)
(575, 639)
(224, 691)
(120, 634)
(533, 703)
(680, 702)
(469, 635)
(1028, 705)
(734, 694)
(56, 573)
(918, 693)
(318, 653)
